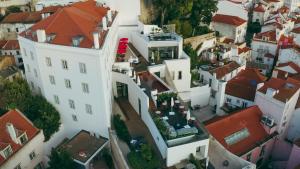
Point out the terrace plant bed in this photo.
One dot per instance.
(137, 161)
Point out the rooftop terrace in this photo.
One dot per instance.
(83, 145)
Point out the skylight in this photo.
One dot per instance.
(237, 136)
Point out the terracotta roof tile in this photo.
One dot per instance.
(23, 17)
(223, 70)
(51, 9)
(249, 119)
(285, 89)
(2, 43)
(21, 123)
(244, 84)
(78, 19)
(259, 8)
(270, 35)
(243, 50)
(11, 45)
(227, 19)
(292, 65)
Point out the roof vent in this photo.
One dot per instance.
(76, 40)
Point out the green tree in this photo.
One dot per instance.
(202, 12)
(192, 54)
(163, 7)
(13, 9)
(121, 129)
(17, 94)
(146, 152)
(60, 159)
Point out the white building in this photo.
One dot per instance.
(232, 27)
(70, 65)
(292, 4)
(232, 8)
(21, 142)
(12, 48)
(23, 4)
(277, 99)
(15, 23)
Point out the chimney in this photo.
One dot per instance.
(41, 35)
(12, 132)
(109, 15)
(104, 23)
(96, 40)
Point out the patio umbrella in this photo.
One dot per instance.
(172, 103)
(188, 115)
(138, 81)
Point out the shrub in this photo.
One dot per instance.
(136, 161)
(146, 152)
(121, 129)
(107, 158)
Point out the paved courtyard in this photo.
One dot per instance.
(204, 114)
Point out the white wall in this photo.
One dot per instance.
(179, 153)
(287, 55)
(22, 156)
(200, 95)
(229, 8)
(294, 127)
(237, 102)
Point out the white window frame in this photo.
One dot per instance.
(85, 88)
(71, 104)
(64, 64)
(56, 99)
(48, 61)
(68, 83)
(82, 68)
(88, 109)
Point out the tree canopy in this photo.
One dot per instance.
(188, 15)
(17, 94)
(60, 159)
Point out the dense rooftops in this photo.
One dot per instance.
(221, 69)
(74, 23)
(244, 84)
(21, 125)
(279, 89)
(9, 45)
(22, 17)
(227, 19)
(239, 132)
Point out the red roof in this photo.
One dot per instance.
(269, 55)
(11, 45)
(227, 19)
(2, 43)
(259, 8)
(78, 19)
(296, 30)
(224, 70)
(22, 17)
(20, 123)
(249, 119)
(50, 9)
(285, 89)
(291, 65)
(244, 84)
(243, 50)
(270, 35)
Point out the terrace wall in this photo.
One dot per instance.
(200, 95)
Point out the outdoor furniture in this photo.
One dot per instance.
(193, 118)
(158, 112)
(187, 126)
(165, 118)
(164, 103)
(171, 113)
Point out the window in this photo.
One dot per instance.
(228, 100)
(210, 82)
(68, 83)
(35, 73)
(180, 75)
(23, 139)
(8, 30)
(237, 136)
(249, 157)
(18, 52)
(88, 109)
(17, 29)
(48, 61)
(238, 101)
(32, 155)
(7, 151)
(82, 68)
(18, 166)
(64, 64)
(72, 104)
(39, 166)
(28, 68)
(85, 87)
(56, 99)
(74, 117)
(31, 55)
(52, 80)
